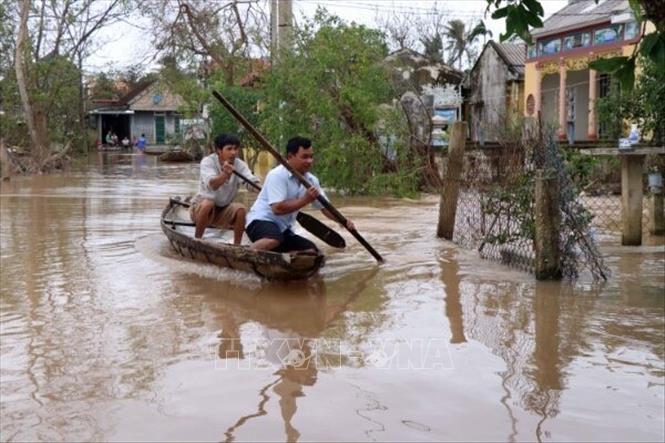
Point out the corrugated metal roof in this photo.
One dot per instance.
(580, 13)
(513, 54)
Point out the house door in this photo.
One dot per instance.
(160, 129)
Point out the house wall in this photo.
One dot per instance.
(531, 79)
(516, 96)
(579, 80)
(170, 124)
(491, 84)
(156, 98)
(144, 123)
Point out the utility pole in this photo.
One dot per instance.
(281, 25)
(285, 24)
(274, 8)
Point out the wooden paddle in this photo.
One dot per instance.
(310, 223)
(266, 144)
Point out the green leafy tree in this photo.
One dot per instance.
(184, 82)
(433, 47)
(649, 99)
(329, 88)
(461, 41)
(611, 111)
(644, 104)
(249, 102)
(103, 87)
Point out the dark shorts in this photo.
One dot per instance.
(288, 241)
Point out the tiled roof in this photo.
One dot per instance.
(580, 13)
(134, 92)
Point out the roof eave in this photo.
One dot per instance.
(563, 29)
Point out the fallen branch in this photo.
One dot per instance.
(10, 164)
(57, 156)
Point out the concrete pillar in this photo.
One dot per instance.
(631, 199)
(592, 131)
(562, 99)
(656, 215)
(451, 183)
(548, 219)
(538, 91)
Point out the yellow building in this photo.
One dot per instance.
(558, 81)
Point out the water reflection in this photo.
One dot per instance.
(451, 281)
(540, 329)
(101, 339)
(139, 164)
(131, 165)
(547, 358)
(287, 320)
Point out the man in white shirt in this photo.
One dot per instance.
(271, 216)
(218, 186)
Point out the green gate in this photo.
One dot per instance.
(160, 129)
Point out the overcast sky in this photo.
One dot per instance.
(126, 44)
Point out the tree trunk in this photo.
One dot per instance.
(83, 132)
(36, 121)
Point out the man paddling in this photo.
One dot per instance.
(273, 213)
(218, 186)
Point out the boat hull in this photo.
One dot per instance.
(266, 264)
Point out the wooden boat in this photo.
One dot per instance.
(176, 156)
(179, 229)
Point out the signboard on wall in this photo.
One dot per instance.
(446, 114)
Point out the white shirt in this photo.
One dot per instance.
(281, 185)
(210, 168)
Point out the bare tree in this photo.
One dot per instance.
(36, 128)
(222, 33)
(52, 42)
(400, 29)
(420, 31)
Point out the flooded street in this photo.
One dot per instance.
(107, 334)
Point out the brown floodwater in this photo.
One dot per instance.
(106, 334)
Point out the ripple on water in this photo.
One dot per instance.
(106, 333)
(157, 248)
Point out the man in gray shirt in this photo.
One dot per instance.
(218, 186)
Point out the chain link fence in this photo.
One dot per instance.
(601, 194)
(484, 220)
(495, 204)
